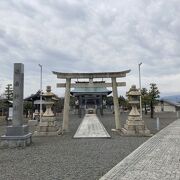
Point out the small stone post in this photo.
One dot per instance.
(116, 104)
(177, 114)
(66, 105)
(17, 134)
(157, 123)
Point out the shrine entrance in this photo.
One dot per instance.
(90, 98)
(86, 100)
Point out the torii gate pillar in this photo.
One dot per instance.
(116, 104)
(66, 105)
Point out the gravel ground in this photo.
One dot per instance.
(63, 157)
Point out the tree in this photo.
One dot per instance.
(109, 100)
(9, 92)
(153, 95)
(123, 102)
(59, 105)
(27, 107)
(145, 98)
(72, 101)
(3, 105)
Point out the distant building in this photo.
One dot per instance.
(4, 106)
(35, 101)
(33, 98)
(167, 105)
(90, 96)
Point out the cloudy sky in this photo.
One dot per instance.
(91, 36)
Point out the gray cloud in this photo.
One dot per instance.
(91, 36)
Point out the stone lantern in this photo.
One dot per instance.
(48, 95)
(47, 126)
(134, 124)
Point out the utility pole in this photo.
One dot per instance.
(140, 103)
(40, 92)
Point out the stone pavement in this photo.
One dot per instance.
(91, 127)
(157, 158)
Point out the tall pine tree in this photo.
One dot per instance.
(153, 95)
(145, 98)
(9, 92)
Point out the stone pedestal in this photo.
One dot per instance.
(18, 134)
(32, 122)
(47, 125)
(134, 126)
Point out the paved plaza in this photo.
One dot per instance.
(63, 157)
(158, 158)
(91, 127)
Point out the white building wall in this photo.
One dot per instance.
(166, 107)
(157, 108)
(170, 108)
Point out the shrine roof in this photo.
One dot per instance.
(36, 96)
(33, 97)
(91, 90)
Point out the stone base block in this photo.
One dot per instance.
(17, 130)
(48, 119)
(134, 118)
(16, 141)
(47, 128)
(32, 122)
(37, 133)
(134, 127)
(136, 132)
(135, 123)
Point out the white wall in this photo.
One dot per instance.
(167, 107)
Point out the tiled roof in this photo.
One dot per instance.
(85, 90)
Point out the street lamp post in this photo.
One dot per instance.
(140, 103)
(40, 92)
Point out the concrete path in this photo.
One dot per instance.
(91, 127)
(158, 158)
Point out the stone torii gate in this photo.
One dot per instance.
(90, 76)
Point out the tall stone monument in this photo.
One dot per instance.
(17, 134)
(135, 125)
